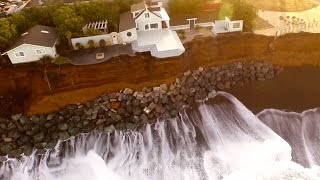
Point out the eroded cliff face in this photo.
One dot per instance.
(24, 88)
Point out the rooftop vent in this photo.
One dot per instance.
(46, 32)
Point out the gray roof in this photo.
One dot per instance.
(126, 21)
(38, 35)
(138, 7)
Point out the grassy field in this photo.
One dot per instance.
(282, 5)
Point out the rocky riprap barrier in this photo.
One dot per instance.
(126, 109)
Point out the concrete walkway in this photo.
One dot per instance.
(88, 56)
(307, 21)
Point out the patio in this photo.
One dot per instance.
(89, 56)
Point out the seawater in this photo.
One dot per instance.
(218, 138)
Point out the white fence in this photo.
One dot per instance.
(187, 26)
(206, 25)
(299, 28)
(180, 27)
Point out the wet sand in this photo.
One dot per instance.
(295, 89)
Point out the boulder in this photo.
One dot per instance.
(64, 135)
(127, 91)
(38, 137)
(63, 127)
(16, 117)
(136, 110)
(5, 149)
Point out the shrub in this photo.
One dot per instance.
(79, 46)
(91, 43)
(102, 43)
(61, 60)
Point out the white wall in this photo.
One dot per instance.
(30, 53)
(142, 21)
(232, 23)
(126, 38)
(96, 39)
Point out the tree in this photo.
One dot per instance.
(20, 21)
(186, 6)
(7, 32)
(226, 10)
(69, 36)
(66, 20)
(246, 12)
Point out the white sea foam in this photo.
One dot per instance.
(221, 140)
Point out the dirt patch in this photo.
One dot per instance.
(30, 91)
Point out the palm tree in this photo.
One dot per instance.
(102, 43)
(68, 36)
(91, 43)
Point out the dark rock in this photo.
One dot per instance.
(51, 116)
(115, 116)
(15, 153)
(24, 120)
(73, 131)
(131, 126)
(63, 127)
(40, 145)
(110, 129)
(51, 144)
(14, 134)
(16, 117)
(38, 137)
(23, 139)
(7, 139)
(35, 119)
(121, 111)
(136, 110)
(27, 149)
(5, 149)
(144, 118)
(63, 135)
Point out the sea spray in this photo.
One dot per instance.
(215, 139)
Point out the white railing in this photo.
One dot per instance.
(207, 24)
(180, 27)
(298, 28)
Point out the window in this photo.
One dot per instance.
(137, 26)
(236, 25)
(146, 27)
(146, 15)
(40, 51)
(129, 34)
(19, 54)
(154, 26)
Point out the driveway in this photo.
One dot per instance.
(88, 56)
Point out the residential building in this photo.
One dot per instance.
(38, 42)
(147, 28)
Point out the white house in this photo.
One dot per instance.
(227, 26)
(38, 42)
(147, 28)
